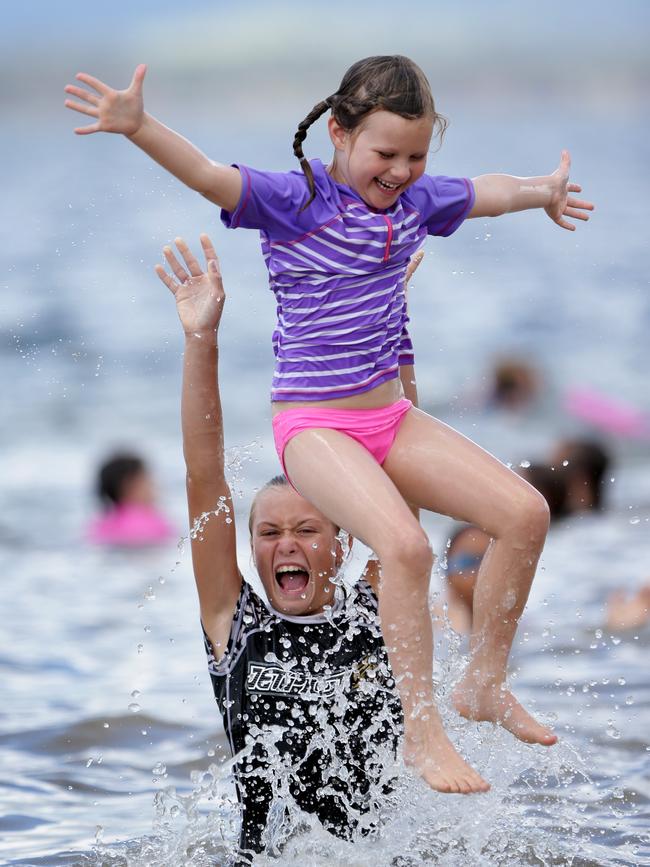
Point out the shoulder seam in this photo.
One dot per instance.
(306, 235)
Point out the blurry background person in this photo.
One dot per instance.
(628, 611)
(585, 462)
(468, 544)
(515, 386)
(126, 490)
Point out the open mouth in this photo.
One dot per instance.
(385, 187)
(292, 579)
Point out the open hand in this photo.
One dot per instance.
(115, 110)
(562, 204)
(199, 294)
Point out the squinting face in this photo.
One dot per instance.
(296, 551)
(382, 157)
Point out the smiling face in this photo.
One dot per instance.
(381, 157)
(296, 551)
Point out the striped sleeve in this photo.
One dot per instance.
(273, 202)
(443, 202)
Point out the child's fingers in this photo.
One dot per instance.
(138, 75)
(86, 130)
(190, 260)
(166, 279)
(91, 81)
(580, 203)
(82, 94)
(80, 107)
(576, 214)
(175, 265)
(210, 252)
(413, 265)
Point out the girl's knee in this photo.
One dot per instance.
(409, 551)
(532, 516)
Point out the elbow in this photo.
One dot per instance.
(199, 473)
(496, 207)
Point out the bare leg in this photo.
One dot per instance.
(342, 479)
(438, 469)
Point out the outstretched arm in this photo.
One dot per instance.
(505, 194)
(122, 111)
(199, 302)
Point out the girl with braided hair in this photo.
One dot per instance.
(337, 240)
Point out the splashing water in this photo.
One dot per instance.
(409, 825)
(536, 812)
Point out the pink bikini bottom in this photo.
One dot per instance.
(375, 429)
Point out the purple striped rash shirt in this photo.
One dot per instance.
(337, 271)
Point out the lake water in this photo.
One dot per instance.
(107, 703)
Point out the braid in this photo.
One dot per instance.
(319, 109)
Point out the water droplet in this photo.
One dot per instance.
(140, 648)
(613, 732)
(629, 700)
(635, 520)
(509, 600)
(314, 545)
(147, 628)
(159, 769)
(621, 681)
(525, 464)
(134, 707)
(135, 693)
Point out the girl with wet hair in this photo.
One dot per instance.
(301, 678)
(337, 240)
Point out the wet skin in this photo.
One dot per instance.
(296, 551)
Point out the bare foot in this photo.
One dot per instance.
(435, 759)
(494, 704)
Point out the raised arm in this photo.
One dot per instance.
(505, 194)
(199, 302)
(122, 111)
